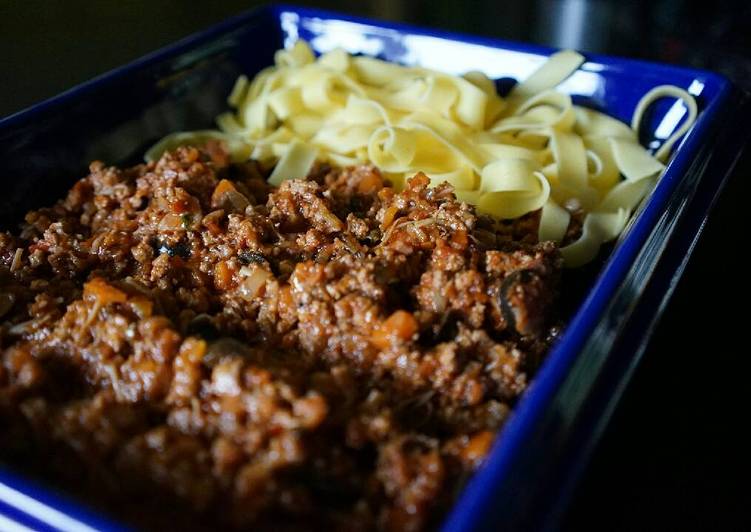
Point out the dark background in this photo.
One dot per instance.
(676, 454)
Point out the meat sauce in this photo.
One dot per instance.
(183, 343)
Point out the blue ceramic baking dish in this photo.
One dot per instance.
(526, 480)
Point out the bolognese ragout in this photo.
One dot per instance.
(283, 323)
(326, 352)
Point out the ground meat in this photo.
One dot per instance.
(328, 353)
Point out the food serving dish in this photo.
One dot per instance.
(525, 480)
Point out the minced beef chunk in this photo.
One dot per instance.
(184, 343)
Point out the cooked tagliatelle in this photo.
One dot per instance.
(532, 150)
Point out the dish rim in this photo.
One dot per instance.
(475, 494)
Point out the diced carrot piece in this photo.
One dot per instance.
(459, 239)
(311, 410)
(105, 293)
(419, 180)
(380, 339)
(401, 325)
(477, 447)
(369, 183)
(388, 216)
(223, 275)
(193, 349)
(143, 306)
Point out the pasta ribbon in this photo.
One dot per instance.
(554, 222)
(239, 151)
(534, 150)
(666, 91)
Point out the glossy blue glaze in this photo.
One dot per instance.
(528, 474)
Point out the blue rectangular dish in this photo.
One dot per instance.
(528, 476)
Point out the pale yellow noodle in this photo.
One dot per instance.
(534, 150)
